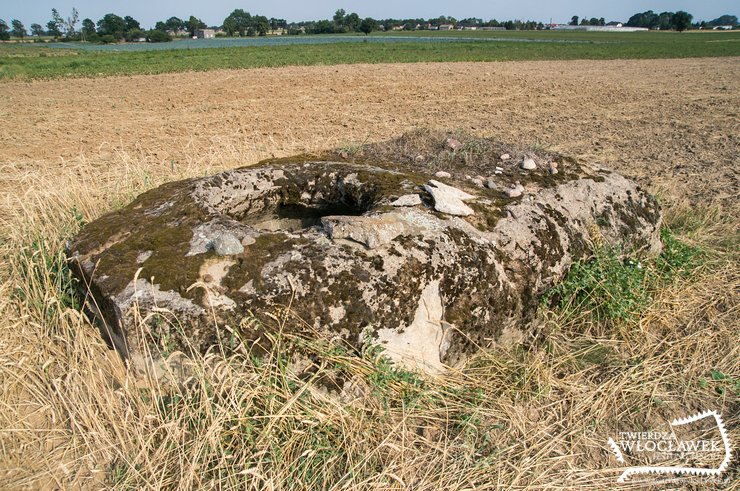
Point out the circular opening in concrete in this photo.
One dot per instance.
(294, 217)
(292, 198)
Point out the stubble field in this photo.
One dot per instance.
(667, 122)
(73, 149)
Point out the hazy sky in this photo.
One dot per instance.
(213, 12)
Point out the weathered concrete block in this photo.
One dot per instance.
(377, 253)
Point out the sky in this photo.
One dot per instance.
(213, 12)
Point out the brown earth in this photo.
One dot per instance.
(673, 124)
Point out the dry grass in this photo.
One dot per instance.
(530, 417)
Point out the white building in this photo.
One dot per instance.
(205, 33)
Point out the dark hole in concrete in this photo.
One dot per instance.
(311, 215)
(295, 217)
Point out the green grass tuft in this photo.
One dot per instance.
(610, 287)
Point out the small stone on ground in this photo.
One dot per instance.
(453, 144)
(529, 164)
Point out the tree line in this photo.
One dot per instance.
(110, 28)
(678, 21)
(113, 28)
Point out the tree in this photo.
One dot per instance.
(19, 30)
(194, 24)
(323, 27)
(71, 23)
(134, 35)
(58, 20)
(352, 22)
(682, 20)
(276, 24)
(260, 25)
(665, 21)
(238, 21)
(56, 24)
(112, 25)
(229, 26)
(368, 25)
(158, 36)
(339, 20)
(573, 21)
(37, 30)
(52, 29)
(175, 24)
(88, 28)
(131, 24)
(723, 20)
(648, 19)
(4, 34)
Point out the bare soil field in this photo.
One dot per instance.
(669, 123)
(531, 417)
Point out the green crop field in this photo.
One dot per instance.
(33, 61)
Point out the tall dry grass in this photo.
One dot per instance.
(535, 416)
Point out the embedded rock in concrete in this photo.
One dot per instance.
(227, 245)
(379, 253)
(422, 343)
(371, 231)
(407, 200)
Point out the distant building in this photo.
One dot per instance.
(722, 28)
(488, 28)
(446, 27)
(205, 33)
